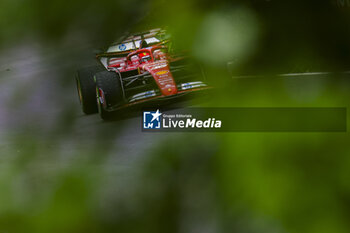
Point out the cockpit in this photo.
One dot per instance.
(147, 55)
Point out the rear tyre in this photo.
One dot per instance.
(86, 88)
(109, 92)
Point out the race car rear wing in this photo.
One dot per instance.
(129, 43)
(146, 34)
(125, 53)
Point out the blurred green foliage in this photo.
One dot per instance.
(64, 176)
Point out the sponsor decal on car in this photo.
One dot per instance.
(101, 97)
(191, 85)
(143, 95)
(162, 72)
(122, 47)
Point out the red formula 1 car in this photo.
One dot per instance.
(138, 69)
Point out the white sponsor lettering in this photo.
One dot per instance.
(191, 123)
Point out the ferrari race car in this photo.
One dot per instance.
(140, 68)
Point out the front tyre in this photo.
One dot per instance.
(86, 88)
(109, 92)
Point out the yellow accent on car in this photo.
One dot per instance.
(162, 72)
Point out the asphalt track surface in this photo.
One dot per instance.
(40, 109)
(41, 121)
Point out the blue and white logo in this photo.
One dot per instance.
(152, 120)
(122, 47)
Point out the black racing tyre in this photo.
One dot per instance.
(109, 92)
(87, 89)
